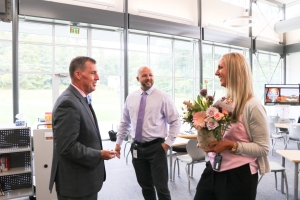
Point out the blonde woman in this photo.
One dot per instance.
(234, 163)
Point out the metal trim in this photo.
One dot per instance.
(53, 10)
(161, 26)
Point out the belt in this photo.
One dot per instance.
(146, 144)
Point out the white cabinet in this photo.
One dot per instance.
(15, 143)
(43, 151)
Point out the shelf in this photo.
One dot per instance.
(17, 170)
(17, 193)
(11, 126)
(14, 150)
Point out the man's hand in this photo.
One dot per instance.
(108, 154)
(118, 150)
(165, 146)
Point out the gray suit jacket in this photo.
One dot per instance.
(77, 168)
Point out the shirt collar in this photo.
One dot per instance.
(147, 91)
(79, 90)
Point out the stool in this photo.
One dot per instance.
(275, 167)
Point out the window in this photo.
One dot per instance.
(6, 99)
(175, 64)
(267, 69)
(45, 54)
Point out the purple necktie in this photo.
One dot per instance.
(140, 120)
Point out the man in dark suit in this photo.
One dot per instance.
(78, 156)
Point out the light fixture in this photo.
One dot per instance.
(237, 31)
(239, 19)
(287, 25)
(165, 15)
(98, 3)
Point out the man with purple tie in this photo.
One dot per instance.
(147, 113)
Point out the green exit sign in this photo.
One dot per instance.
(74, 30)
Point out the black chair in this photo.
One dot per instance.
(298, 119)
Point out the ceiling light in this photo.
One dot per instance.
(287, 25)
(165, 15)
(250, 21)
(98, 3)
(222, 27)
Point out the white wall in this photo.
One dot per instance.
(118, 4)
(293, 37)
(216, 11)
(263, 30)
(178, 8)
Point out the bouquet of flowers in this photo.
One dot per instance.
(209, 120)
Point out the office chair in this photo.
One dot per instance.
(275, 167)
(129, 141)
(294, 135)
(274, 136)
(273, 119)
(195, 155)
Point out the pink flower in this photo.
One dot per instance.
(218, 116)
(225, 112)
(210, 112)
(212, 124)
(198, 119)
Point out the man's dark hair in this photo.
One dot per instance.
(78, 63)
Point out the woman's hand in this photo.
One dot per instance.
(218, 147)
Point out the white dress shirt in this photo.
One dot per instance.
(159, 112)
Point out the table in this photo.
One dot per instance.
(188, 136)
(178, 142)
(282, 125)
(293, 156)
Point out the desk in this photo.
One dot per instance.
(188, 136)
(282, 125)
(293, 156)
(178, 142)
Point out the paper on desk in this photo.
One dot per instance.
(223, 106)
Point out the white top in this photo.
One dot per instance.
(159, 112)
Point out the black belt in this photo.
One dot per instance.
(146, 144)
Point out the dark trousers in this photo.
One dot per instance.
(234, 184)
(151, 170)
(89, 197)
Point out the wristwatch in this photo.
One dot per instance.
(234, 147)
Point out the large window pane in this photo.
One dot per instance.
(159, 45)
(64, 55)
(135, 60)
(208, 70)
(107, 39)
(161, 64)
(63, 36)
(35, 58)
(35, 96)
(34, 32)
(207, 51)
(137, 42)
(5, 30)
(184, 67)
(6, 107)
(164, 84)
(182, 48)
(183, 91)
(5, 56)
(108, 60)
(220, 51)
